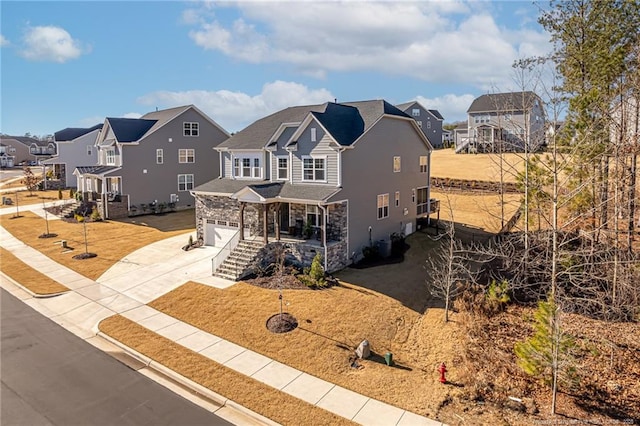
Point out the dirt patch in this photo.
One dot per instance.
(256, 396)
(28, 277)
(110, 240)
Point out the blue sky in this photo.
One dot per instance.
(71, 64)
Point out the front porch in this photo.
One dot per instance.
(305, 228)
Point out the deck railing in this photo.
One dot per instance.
(228, 248)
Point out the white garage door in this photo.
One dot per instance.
(218, 233)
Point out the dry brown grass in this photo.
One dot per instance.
(110, 240)
(479, 211)
(263, 399)
(37, 197)
(446, 163)
(28, 277)
(332, 323)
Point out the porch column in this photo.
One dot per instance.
(241, 221)
(265, 222)
(277, 224)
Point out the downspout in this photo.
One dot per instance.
(428, 189)
(324, 233)
(221, 171)
(290, 171)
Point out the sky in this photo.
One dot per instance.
(73, 63)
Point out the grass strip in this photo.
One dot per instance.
(28, 277)
(250, 393)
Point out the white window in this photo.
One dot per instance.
(314, 216)
(415, 112)
(185, 182)
(159, 156)
(507, 116)
(313, 134)
(283, 168)
(397, 199)
(187, 155)
(383, 206)
(191, 129)
(413, 195)
(396, 164)
(89, 149)
(428, 124)
(313, 169)
(419, 123)
(247, 167)
(423, 164)
(423, 201)
(111, 157)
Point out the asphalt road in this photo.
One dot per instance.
(51, 377)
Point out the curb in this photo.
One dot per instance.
(196, 388)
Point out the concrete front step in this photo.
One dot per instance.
(236, 265)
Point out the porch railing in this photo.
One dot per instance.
(228, 248)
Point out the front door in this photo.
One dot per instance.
(284, 217)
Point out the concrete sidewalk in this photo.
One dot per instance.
(152, 271)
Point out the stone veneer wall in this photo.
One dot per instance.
(224, 208)
(116, 210)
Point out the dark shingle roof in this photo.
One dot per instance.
(130, 129)
(371, 111)
(257, 134)
(269, 190)
(96, 170)
(343, 122)
(436, 114)
(24, 140)
(71, 133)
(512, 101)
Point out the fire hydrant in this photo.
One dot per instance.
(442, 369)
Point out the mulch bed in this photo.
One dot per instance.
(282, 323)
(289, 282)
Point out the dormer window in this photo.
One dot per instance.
(415, 112)
(247, 167)
(110, 157)
(191, 128)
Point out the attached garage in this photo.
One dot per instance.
(218, 233)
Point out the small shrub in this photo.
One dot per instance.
(307, 231)
(59, 194)
(72, 193)
(161, 208)
(497, 295)
(79, 218)
(370, 253)
(316, 273)
(95, 214)
(190, 240)
(397, 243)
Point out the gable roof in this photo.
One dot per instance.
(130, 129)
(257, 134)
(268, 190)
(343, 122)
(511, 101)
(24, 140)
(371, 111)
(436, 114)
(71, 133)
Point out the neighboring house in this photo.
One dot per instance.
(28, 150)
(6, 160)
(429, 120)
(503, 122)
(335, 177)
(151, 162)
(447, 138)
(75, 147)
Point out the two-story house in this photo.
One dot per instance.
(153, 160)
(6, 160)
(75, 147)
(331, 178)
(429, 120)
(28, 150)
(502, 122)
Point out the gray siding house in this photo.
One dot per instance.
(75, 147)
(329, 179)
(503, 122)
(429, 120)
(27, 150)
(150, 162)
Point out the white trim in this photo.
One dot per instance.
(277, 168)
(314, 157)
(193, 182)
(383, 206)
(186, 152)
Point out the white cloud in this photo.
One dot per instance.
(3, 41)
(236, 110)
(440, 41)
(50, 43)
(132, 115)
(451, 107)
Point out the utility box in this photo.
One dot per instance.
(388, 358)
(363, 351)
